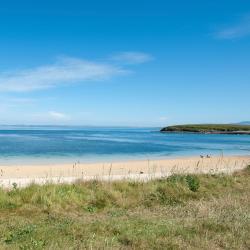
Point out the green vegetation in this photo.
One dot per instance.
(209, 128)
(179, 212)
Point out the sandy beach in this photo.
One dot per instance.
(143, 170)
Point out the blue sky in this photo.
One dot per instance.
(133, 63)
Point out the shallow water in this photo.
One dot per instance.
(92, 144)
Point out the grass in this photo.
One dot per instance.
(180, 212)
(208, 128)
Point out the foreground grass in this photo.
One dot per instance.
(181, 212)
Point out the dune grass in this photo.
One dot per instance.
(179, 212)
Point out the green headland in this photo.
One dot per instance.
(209, 128)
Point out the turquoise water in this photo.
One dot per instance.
(91, 144)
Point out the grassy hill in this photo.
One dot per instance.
(209, 128)
(179, 212)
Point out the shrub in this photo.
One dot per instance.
(193, 182)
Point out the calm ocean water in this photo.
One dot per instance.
(91, 144)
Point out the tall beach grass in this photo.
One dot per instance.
(206, 211)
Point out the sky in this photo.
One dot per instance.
(124, 63)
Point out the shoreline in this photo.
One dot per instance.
(67, 160)
(141, 170)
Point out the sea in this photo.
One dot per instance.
(66, 144)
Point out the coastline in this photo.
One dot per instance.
(230, 129)
(141, 170)
(209, 132)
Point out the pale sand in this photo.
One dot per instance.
(141, 170)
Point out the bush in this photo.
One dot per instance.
(193, 182)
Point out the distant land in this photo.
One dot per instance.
(209, 128)
(244, 123)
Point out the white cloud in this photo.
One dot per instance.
(64, 71)
(67, 70)
(17, 101)
(132, 57)
(6, 104)
(238, 30)
(58, 116)
(163, 118)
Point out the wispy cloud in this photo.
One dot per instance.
(17, 101)
(9, 102)
(48, 117)
(64, 71)
(163, 118)
(132, 57)
(58, 116)
(238, 30)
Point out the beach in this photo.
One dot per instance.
(141, 170)
(41, 155)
